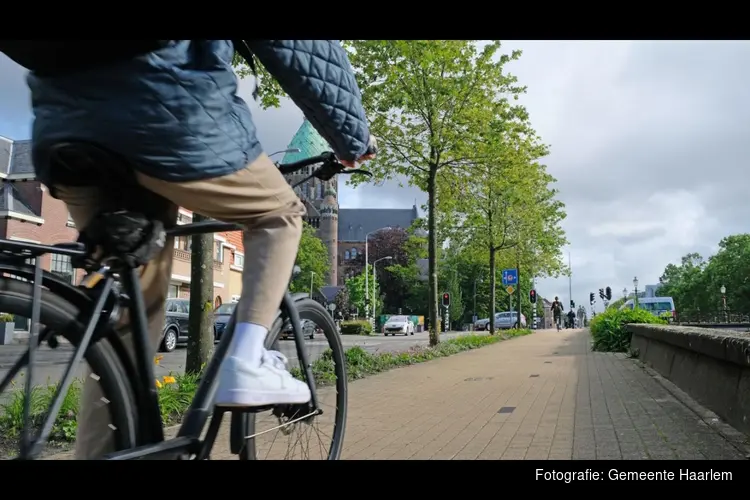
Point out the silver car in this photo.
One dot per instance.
(507, 320)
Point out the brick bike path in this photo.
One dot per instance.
(543, 396)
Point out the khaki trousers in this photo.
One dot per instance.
(259, 198)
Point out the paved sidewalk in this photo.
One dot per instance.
(543, 396)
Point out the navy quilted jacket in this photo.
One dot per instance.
(175, 114)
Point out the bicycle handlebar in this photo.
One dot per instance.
(329, 168)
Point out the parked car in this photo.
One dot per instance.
(483, 324)
(507, 320)
(309, 328)
(221, 318)
(175, 324)
(398, 324)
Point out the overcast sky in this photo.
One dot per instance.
(649, 142)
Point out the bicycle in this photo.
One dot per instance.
(85, 316)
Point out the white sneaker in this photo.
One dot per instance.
(271, 383)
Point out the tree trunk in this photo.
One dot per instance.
(201, 321)
(432, 257)
(492, 290)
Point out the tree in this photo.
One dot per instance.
(312, 259)
(269, 92)
(422, 97)
(355, 287)
(390, 243)
(695, 283)
(507, 203)
(201, 319)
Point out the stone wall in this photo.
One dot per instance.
(712, 366)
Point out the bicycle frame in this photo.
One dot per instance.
(151, 429)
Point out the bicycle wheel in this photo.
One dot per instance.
(267, 435)
(63, 318)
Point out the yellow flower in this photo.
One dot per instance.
(169, 379)
(158, 359)
(158, 384)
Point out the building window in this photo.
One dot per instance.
(239, 260)
(173, 292)
(354, 253)
(63, 267)
(218, 252)
(183, 243)
(346, 255)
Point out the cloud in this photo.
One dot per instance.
(648, 143)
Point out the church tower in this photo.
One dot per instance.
(319, 197)
(329, 230)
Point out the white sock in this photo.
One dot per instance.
(247, 343)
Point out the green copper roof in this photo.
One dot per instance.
(309, 143)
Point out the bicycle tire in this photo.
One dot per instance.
(310, 310)
(64, 318)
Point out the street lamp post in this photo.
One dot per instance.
(312, 273)
(367, 262)
(374, 278)
(635, 287)
(625, 293)
(723, 291)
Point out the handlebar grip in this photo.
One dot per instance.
(290, 168)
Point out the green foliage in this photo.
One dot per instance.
(425, 99)
(360, 363)
(312, 258)
(356, 327)
(6, 318)
(695, 283)
(355, 287)
(64, 428)
(608, 328)
(616, 304)
(176, 392)
(269, 90)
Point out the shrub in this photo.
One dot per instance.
(64, 428)
(356, 327)
(6, 318)
(608, 328)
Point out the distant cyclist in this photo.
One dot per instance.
(557, 309)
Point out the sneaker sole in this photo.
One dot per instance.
(246, 399)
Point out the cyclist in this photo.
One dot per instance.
(171, 108)
(571, 318)
(557, 309)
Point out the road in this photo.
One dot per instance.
(51, 363)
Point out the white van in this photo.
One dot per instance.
(654, 305)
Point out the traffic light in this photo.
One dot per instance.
(572, 304)
(601, 293)
(532, 296)
(608, 293)
(591, 298)
(446, 299)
